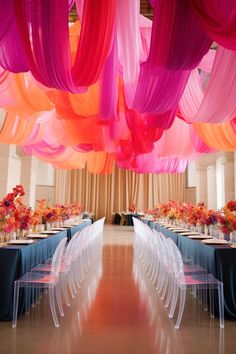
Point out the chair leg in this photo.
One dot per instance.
(221, 304)
(15, 304)
(212, 301)
(65, 291)
(174, 300)
(51, 293)
(27, 299)
(170, 290)
(58, 297)
(181, 306)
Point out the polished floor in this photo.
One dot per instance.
(117, 311)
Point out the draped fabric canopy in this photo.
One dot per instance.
(115, 87)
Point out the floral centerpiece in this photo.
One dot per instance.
(209, 217)
(132, 207)
(195, 214)
(9, 206)
(76, 208)
(15, 216)
(227, 217)
(64, 212)
(154, 213)
(46, 213)
(23, 215)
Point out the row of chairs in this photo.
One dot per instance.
(164, 266)
(64, 271)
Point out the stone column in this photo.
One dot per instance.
(211, 187)
(225, 179)
(220, 181)
(229, 177)
(29, 178)
(10, 169)
(201, 184)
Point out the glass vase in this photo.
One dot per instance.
(214, 231)
(2, 237)
(48, 226)
(21, 234)
(233, 237)
(41, 227)
(206, 230)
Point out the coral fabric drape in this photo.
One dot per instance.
(219, 136)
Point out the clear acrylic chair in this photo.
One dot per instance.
(34, 280)
(203, 282)
(163, 263)
(66, 274)
(164, 269)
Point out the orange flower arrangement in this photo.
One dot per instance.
(132, 207)
(227, 217)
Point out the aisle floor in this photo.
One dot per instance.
(117, 315)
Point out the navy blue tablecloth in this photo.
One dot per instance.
(218, 260)
(17, 260)
(129, 218)
(116, 219)
(72, 230)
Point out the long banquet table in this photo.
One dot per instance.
(16, 260)
(220, 260)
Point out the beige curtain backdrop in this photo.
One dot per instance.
(105, 194)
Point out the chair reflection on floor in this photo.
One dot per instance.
(167, 340)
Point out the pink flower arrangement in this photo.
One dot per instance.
(155, 212)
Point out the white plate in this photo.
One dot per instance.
(37, 236)
(199, 237)
(58, 229)
(65, 227)
(189, 233)
(50, 232)
(215, 241)
(20, 242)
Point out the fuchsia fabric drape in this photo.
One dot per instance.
(217, 103)
(115, 86)
(48, 53)
(218, 19)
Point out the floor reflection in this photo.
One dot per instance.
(167, 339)
(117, 311)
(197, 323)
